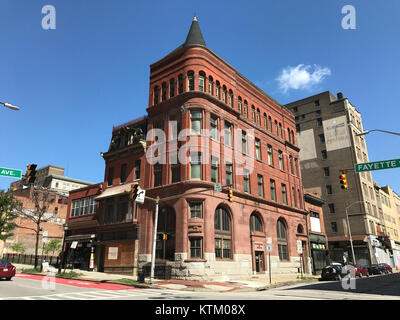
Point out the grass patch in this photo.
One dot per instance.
(305, 278)
(69, 275)
(130, 282)
(32, 270)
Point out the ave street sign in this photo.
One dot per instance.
(12, 173)
(377, 165)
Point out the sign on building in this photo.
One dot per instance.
(74, 244)
(112, 253)
(299, 246)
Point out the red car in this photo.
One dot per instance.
(361, 271)
(7, 270)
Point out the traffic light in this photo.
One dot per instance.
(230, 195)
(343, 181)
(165, 236)
(134, 191)
(30, 175)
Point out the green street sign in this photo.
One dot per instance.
(12, 173)
(377, 165)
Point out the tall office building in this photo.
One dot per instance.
(327, 128)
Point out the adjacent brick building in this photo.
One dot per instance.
(243, 139)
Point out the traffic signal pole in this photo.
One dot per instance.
(153, 252)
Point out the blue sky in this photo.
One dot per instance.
(92, 72)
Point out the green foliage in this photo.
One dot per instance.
(53, 246)
(8, 213)
(33, 270)
(69, 275)
(18, 247)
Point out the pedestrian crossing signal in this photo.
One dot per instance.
(343, 181)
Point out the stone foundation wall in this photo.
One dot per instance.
(238, 268)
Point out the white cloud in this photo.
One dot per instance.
(301, 77)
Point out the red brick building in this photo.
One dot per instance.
(53, 219)
(240, 137)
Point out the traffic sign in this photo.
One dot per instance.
(269, 240)
(140, 196)
(217, 187)
(299, 246)
(12, 173)
(269, 248)
(377, 165)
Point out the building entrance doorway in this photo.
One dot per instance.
(165, 245)
(259, 256)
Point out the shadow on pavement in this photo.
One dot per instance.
(381, 285)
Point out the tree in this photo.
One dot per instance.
(8, 213)
(18, 247)
(42, 197)
(52, 246)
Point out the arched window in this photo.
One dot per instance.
(156, 94)
(190, 76)
(223, 234)
(240, 105)
(280, 130)
(282, 240)
(217, 89)
(270, 123)
(210, 85)
(246, 109)
(292, 134)
(180, 84)
(300, 229)
(253, 113)
(224, 93)
(289, 137)
(171, 88)
(255, 223)
(258, 117)
(265, 121)
(202, 81)
(163, 91)
(276, 128)
(230, 98)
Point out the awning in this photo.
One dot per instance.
(77, 237)
(115, 191)
(317, 238)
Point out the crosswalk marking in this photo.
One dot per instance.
(99, 295)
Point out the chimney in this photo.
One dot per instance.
(340, 96)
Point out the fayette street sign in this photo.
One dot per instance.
(377, 165)
(12, 173)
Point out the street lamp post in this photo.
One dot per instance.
(368, 131)
(9, 106)
(348, 225)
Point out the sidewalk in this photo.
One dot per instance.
(252, 284)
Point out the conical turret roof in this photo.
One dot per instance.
(194, 36)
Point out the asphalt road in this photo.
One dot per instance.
(385, 287)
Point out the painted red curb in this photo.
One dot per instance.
(75, 283)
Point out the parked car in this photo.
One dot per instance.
(361, 271)
(380, 268)
(385, 268)
(7, 270)
(333, 272)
